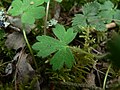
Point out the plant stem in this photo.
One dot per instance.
(46, 17)
(29, 47)
(104, 83)
(80, 51)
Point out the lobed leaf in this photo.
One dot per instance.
(117, 17)
(108, 5)
(91, 8)
(47, 45)
(79, 20)
(96, 15)
(28, 9)
(63, 56)
(16, 10)
(27, 18)
(32, 14)
(107, 15)
(63, 35)
(97, 23)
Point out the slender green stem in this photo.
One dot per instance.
(29, 47)
(105, 79)
(46, 17)
(80, 51)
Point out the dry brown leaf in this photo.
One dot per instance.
(15, 41)
(25, 71)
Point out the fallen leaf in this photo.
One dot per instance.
(15, 41)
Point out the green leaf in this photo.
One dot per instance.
(99, 26)
(79, 20)
(97, 23)
(63, 56)
(107, 11)
(91, 8)
(47, 45)
(107, 15)
(37, 2)
(63, 35)
(27, 18)
(108, 5)
(117, 17)
(28, 9)
(38, 12)
(95, 15)
(16, 10)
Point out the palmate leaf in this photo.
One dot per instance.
(28, 9)
(48, 45)
(95, 15)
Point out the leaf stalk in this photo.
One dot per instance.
(29, 47)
